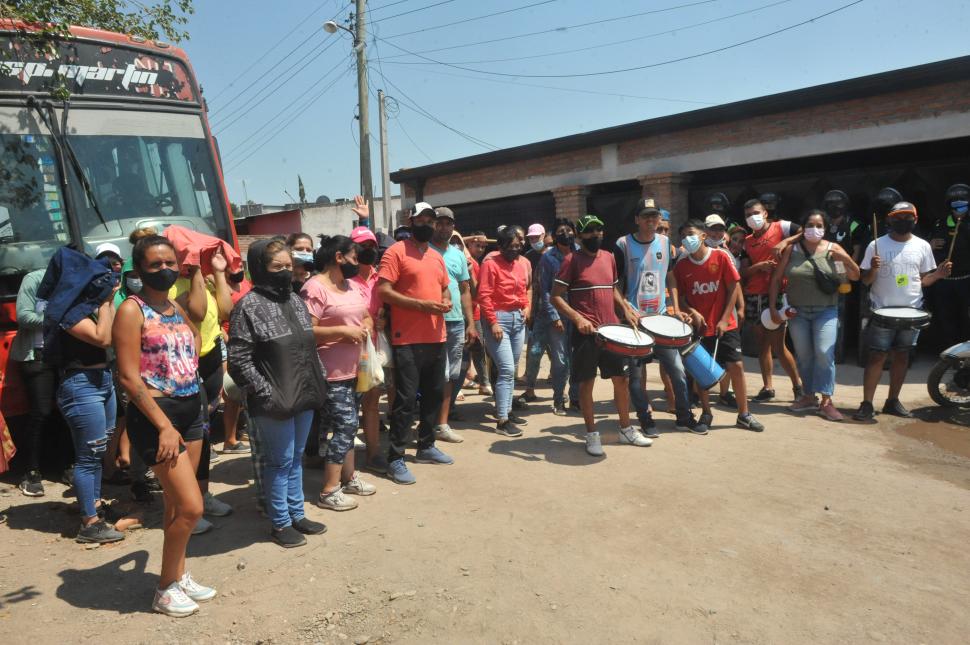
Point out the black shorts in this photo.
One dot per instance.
(728, 350)
(587, 355)
(186, 414)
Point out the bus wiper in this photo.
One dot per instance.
(63, 144)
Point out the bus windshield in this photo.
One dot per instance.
(144, 168)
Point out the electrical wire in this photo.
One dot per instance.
(461, 22)
(405, 13)
(612, 43)
(391, 4)
(641, 67)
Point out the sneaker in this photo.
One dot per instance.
(99, 533)
(485, 390)
(632, 436)
(690, 424)
(728, 400)
(706, 419)
(32, 485)
(336, 501)
(830, 412)
(798, 391)
(895, 408)
(357, 486)
(202, 526)
(804, 404)
(865, 412)
(215, 507)
(238, 448)
(765, 395)
(433, 456)
(377, 464)
(748, 422)
(519, 403)
(288, 537)
(446, 434)
(508, 429)
(172, 601)
(517, 420)
(194, 590)
(648, 426)
(594, 446)
(529, 397)
(399, 473)
(559, 410)
(309, 527)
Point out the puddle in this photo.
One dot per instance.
(936, 443)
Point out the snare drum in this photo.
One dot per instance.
(667, 331)
(900, 318)
(625, 341)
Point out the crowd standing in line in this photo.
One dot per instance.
(139, 355)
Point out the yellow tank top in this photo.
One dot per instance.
(209, 330)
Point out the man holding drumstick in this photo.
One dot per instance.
(589, 277)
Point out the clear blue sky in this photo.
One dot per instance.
(319, 143)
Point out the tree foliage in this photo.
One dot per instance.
(158, 20)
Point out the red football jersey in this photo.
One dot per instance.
(705, 286)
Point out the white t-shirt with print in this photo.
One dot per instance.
(898, 281)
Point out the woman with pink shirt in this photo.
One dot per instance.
(505, 294)
(341, 323)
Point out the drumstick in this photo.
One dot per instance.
(956, 231)
(716, 342)
(875, 234)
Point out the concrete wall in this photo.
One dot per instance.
(340, 219)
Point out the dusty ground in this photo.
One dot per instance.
(810, 532)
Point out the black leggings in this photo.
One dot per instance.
(210, 375)
(40, 381)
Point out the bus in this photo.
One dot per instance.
(130, 146)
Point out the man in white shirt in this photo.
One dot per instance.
(896, 267)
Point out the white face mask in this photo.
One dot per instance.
(755, 222)
(711, 242)
(813, 234)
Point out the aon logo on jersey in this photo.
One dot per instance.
(704, 287)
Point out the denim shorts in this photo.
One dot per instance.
(455, 345)
(882, 339)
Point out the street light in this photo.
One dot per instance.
(331, 27)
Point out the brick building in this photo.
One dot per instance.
(908, 128)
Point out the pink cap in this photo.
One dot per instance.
(362, 234)
(536, 230)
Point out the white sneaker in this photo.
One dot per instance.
(336, 501)
(632, 436)
(445, 433)
(194, 590)
(173, 602)
(202, 526)
(593, 444)
(215, 507)
(357, 486)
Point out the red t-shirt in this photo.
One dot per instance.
(244, 287)
(475, 270)
(759, 250)
(590, 281)
(416, 274)
(706, 285)
(503, 285)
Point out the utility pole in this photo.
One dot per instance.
(246, 194)
(360, 39)
(385, 170)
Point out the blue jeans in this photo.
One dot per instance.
(669, 358)
(282, 443)
(506, 354)
(814, 331)
(86, 399)
(455, 365)
(544, 337)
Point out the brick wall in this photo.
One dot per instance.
(572, 161)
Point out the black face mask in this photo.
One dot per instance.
(902, 226)
(592, 244)
(422, 232)
(367, 256)
(161, 280)
(566, 239)
(511, 254)
(279, 280)
(237, 278)
(349, 270)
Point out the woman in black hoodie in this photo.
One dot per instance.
(273, 358)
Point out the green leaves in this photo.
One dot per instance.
(161, 20)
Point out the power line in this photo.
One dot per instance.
(391, 4)
(640, 67)
(400, 124)
(612, 43)
(461, 22)
(405, 13)
(562, 28)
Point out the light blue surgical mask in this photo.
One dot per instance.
(691, 243)
(303, 256)
(959, 207)
(538, 246)
(134, 284)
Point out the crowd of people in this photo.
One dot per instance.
(293, 351)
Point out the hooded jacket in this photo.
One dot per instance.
(272, 351)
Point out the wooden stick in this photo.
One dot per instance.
(875, 234)
(956, 231)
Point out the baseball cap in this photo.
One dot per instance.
(444, 211)
(362, 234)
(714, 220)
(903, 208)
(420, 207)
(647, 207)
(665, 214)
(586, 221)
(535, 230)
(107, 247)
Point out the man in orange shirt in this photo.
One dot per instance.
(413, 281)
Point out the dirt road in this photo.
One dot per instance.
(811, 532)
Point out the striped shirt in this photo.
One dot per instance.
(590, 280)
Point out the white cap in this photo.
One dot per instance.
(420, 207)
(714, 220)
(107, 247)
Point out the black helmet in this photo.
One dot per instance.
(770, 201)
(835, 203)
(718, 203)
(956, 192)
(885, 200)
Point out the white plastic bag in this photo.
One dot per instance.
(370, 374)
(383, 349)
